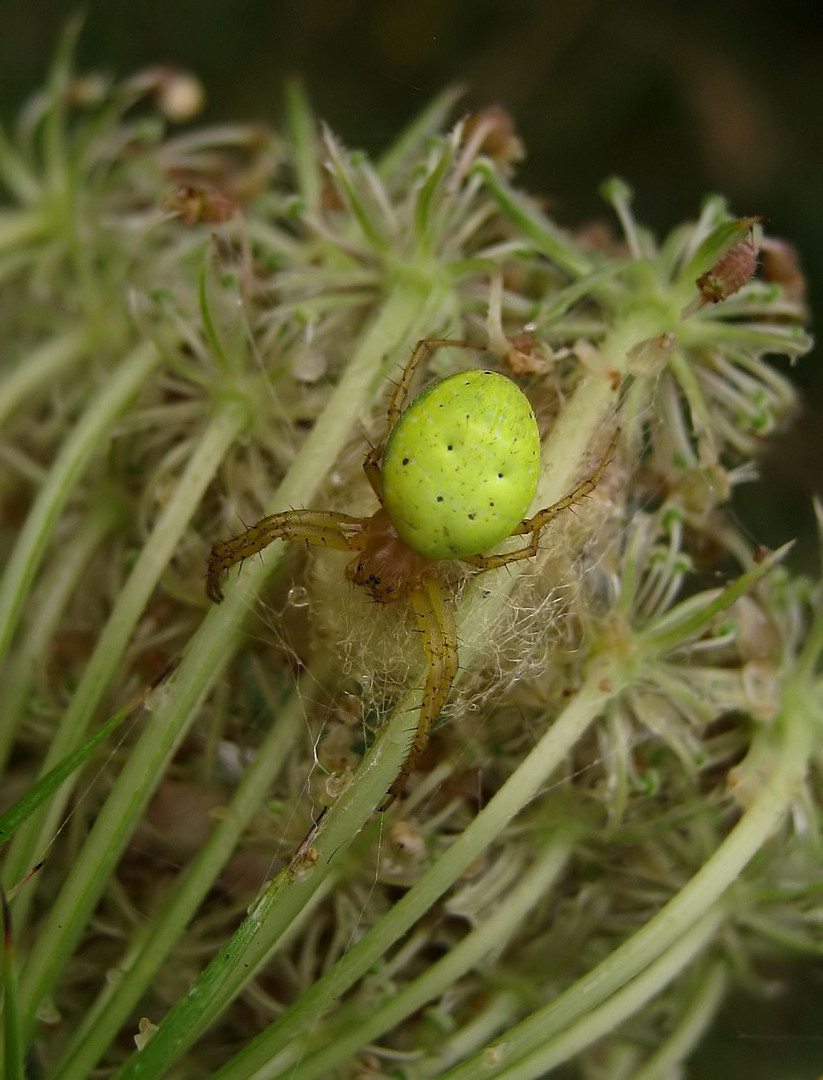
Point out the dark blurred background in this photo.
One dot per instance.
(680, 98)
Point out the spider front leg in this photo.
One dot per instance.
(438, 634)
(537, 522)
(397, 402)
(423, 348)
(321, 528)
(371, 467)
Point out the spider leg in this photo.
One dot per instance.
(423, 348)
(584, 488)
(322, 528)
(397, 402)
(541, 519)
(371, 467)
(435, 622)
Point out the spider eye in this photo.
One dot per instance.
(460, 468)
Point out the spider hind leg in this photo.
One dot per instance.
(435, 622)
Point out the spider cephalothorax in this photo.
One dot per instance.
(385, 566)
(454, 476)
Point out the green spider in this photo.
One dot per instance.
(454, 475)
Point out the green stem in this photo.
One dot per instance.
(599, 1022)
(352, 1030)
(88, 438)
(137, 969)
(107, 657)
(692, 1025)
(304, 133)
(55, 123)
(37, 371)
(411, 143)
(497, 1012)
(47, 607)
(690, 618)
(12, 1049)
(37, 794)
(523, 785)
(405, 313)
(542, 232)
(681, 913)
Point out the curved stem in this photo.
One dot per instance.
(521, 787)
(88, 437)
(681, 913)
(37, 369)
(208, 652)
(354, 1029)
(692, 1025)
(596, 1023)
(33, 839)
(148, 953)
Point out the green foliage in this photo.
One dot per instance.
(618, 820)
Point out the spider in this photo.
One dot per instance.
(454, 475)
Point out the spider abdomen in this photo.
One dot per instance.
(460, 468)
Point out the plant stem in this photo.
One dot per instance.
(547, 756)
(692, 1025)
(34, 838)
(354, 1029)
(48, 605)
(680, 914)
(147, 954)
(88, 437)
(596, 1022)
(38, 369)
(209, 650)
